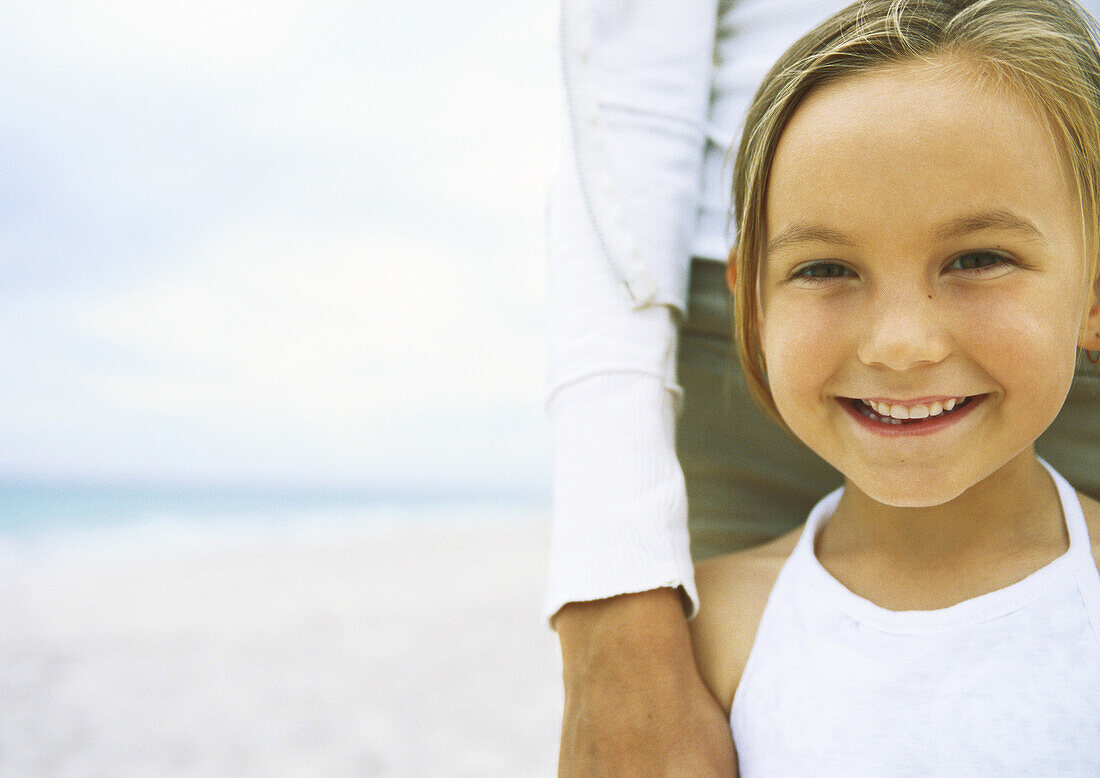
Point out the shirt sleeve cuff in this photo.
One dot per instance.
(620, 504)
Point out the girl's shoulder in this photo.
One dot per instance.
(733, 590)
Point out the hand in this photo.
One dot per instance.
(634, 701)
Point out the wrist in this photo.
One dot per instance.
(643, 636)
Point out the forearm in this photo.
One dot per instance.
(634, 700)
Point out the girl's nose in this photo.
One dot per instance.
(904, 331)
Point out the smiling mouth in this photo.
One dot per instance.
(918, 414)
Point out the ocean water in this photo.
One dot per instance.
(43, 515)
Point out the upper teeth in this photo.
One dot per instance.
(918, 411)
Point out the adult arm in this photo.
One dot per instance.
(633, 697)
(623, 210)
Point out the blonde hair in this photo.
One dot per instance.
(1043, 49)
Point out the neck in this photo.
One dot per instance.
(1015, 509)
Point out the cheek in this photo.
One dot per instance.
(1029, 345)
(800, 344)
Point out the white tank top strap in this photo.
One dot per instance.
(1080, 546)
(1071, 512)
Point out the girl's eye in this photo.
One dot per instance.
(820, 272)
(980, 263)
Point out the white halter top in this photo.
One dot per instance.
(1007, 683)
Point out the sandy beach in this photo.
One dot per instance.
(341, 651)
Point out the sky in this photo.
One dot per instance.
(270, 243)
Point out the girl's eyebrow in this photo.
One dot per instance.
(803, 232)
(987, 220)
(1001, 219)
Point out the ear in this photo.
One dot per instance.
(731, 269)
(1090, 326)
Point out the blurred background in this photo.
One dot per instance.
(274, 472)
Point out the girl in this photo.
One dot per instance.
(918, 194)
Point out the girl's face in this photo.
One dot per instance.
(925, 263)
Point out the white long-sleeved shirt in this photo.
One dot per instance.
(656, 92)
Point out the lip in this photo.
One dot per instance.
(927, 426)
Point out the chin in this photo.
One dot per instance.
(913, 493)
